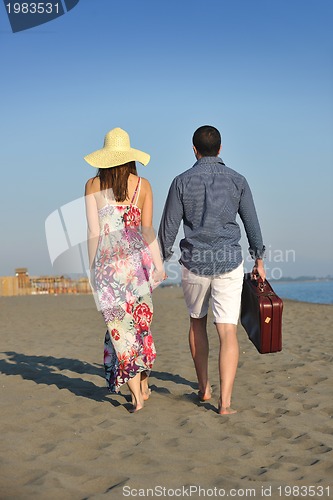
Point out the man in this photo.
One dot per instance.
(207, 198)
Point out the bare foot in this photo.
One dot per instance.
(145, 391)
(225, 410)
(137, 405)
(146, 394)
(205, 395)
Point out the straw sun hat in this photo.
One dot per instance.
(116, 151)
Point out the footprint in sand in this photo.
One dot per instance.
(309, 406)
(278, 395)
(321, 448)
(286, 433)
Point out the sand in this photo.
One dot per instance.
(64, 437)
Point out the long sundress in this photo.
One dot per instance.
(123, 280)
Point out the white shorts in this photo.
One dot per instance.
(225, 291)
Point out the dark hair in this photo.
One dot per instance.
(207, 140)
(116, 178)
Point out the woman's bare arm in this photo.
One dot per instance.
(148, 232)
(92, 222)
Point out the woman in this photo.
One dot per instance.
(124, 260)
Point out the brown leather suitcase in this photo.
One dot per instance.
(261, 314)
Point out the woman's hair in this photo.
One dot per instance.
(116, 178)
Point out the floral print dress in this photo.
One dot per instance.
(123, 280)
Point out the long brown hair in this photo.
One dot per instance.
(116, 178)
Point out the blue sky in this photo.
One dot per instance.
(260, 71)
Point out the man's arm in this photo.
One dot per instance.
(171, 219)
(249, 218)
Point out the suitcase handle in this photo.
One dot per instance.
(259, 281)
(264, 287)
(261, 284)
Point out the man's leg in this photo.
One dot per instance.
(199, 346)
(226, 298)
(228, 362)
(196, 293)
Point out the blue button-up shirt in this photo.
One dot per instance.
(207, 198)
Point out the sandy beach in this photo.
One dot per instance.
(63, 436)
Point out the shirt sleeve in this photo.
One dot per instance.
(250, 220)
(171, 219)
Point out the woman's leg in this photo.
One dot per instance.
(145, 391)
(134, 386)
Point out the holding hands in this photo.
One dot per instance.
(159, 275)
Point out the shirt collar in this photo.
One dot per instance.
(210, 160)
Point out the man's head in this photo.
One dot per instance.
(206, 141)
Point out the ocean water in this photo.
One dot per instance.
(318, 292)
